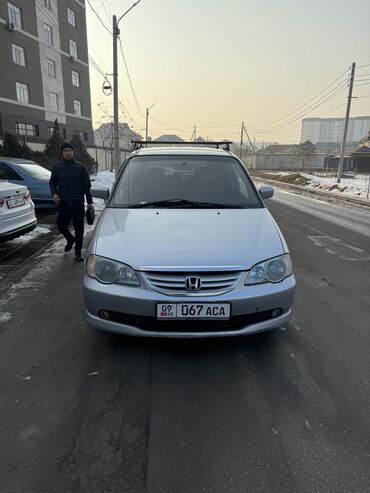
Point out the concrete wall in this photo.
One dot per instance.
(281, 161)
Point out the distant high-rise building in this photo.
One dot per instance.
(331, 129)
(44, 70)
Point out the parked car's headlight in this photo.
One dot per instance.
(109, 271)
(274, 270)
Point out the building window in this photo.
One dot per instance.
(51, 68)
(75, 79)
(15, 15)
(47, 4)
(83, 135)
(77, 107)
(73, 48)
(48, 34)
(54, 103)
(19, 55)
(27, 129)
(71, 17)
(23, 94)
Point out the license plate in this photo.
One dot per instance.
(15, 202)
(215, 311)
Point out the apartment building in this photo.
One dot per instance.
(44, 70)
(331, 129)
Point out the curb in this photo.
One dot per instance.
(317, 193)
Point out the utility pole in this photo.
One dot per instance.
(341, 159)
(241, 140)
(254, 153)
(250, 142)
(146, 125)
(147, 121)
(117, 156)
(116, 32)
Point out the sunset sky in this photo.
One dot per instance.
(217, 63)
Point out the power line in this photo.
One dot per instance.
(109, 7)
(125, 111)
(221, 126)
(131, 84)
(98, 16)
(97, 55)
(124, 96)
(337, 90)
(104, 7)
(171, 128)
(96, 66)
(309, 101)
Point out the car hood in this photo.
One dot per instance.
(187, 238)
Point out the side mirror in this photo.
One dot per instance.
(266, 192)
(100, 193)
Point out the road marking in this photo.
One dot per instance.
(335, 246)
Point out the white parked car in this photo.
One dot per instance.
(17, 211)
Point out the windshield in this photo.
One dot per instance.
(35, 171)
(183, 182)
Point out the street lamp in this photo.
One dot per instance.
(116, 32)
(147, 120)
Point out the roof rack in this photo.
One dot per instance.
(138, 144)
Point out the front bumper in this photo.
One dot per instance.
(137, 307)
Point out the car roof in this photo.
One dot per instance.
(17, 160)
(181, 150)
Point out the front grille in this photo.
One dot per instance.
(151, 324)
(174, 283)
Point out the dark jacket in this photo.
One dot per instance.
(71, 181)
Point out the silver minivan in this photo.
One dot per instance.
(186, 248)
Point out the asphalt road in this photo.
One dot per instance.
(286, 411)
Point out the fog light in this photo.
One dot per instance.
(104, 314)
(276, 313)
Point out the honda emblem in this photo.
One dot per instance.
(193, 283)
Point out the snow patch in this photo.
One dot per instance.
(5, 317)
(38, 231)
(356, 186)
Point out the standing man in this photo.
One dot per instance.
(69, 183)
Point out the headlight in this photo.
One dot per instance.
(274, 270)
(109, 271)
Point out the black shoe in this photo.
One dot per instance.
(69, 244)
(79, 257)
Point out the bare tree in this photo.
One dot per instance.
(306, 151)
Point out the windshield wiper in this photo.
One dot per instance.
(183, 203)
